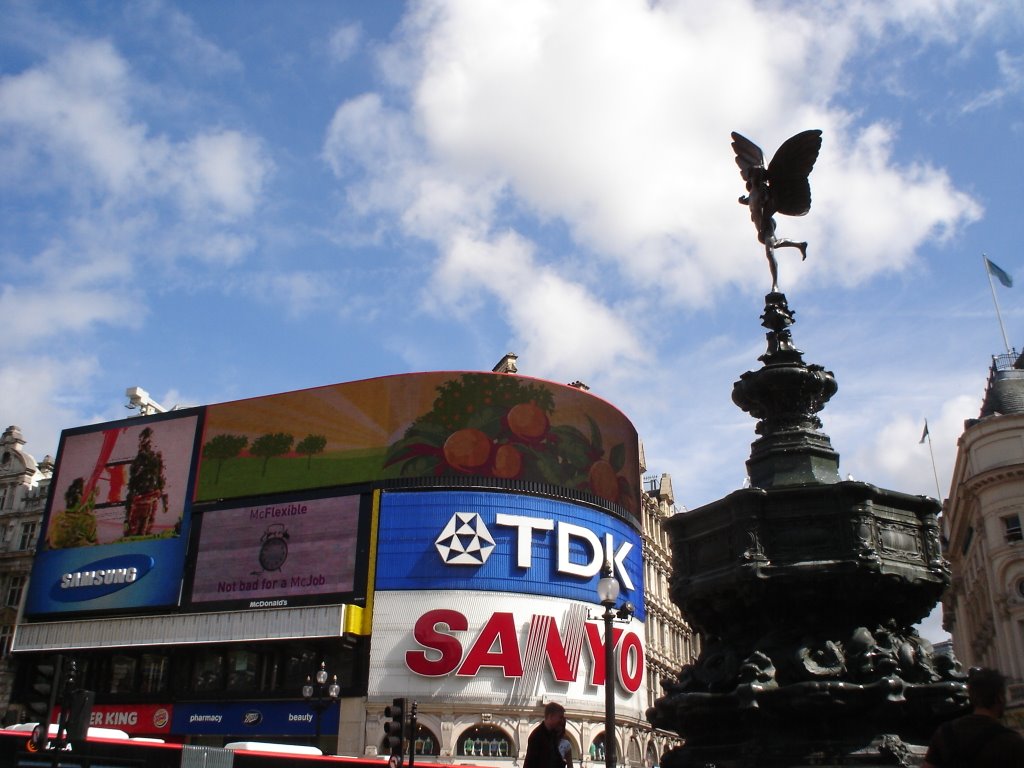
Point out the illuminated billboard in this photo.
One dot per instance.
(289, 551)
(504, 542)
(423, 425)
(469, 647)
(116, 527)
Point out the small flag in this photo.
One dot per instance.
(1000, 273)
(924, 435)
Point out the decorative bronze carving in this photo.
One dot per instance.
(781, 187)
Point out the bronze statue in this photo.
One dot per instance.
(782, 187)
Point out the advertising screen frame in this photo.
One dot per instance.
(546, 547)
(82, 576)
(270, 547)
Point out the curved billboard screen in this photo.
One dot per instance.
(421, 425)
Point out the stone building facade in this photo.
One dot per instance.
(670, 642)
(23, 488)
(982, 523)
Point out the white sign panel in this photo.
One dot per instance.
(502, 649)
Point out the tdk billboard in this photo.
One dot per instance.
(502, 542)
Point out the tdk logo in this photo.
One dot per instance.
(465, 540)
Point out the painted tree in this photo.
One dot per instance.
(270, 445)
(224, 447)
(310, 445)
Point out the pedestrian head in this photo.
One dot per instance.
(554, 715)
(986, 688)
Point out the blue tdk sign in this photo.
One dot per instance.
(504, 542)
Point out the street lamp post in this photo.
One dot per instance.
(319, 695)
(607, 594)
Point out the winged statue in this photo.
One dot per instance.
(781, 187)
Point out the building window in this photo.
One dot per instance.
(242, 669)
(968, 538)
(6, 637)
(154, 673)
(597, 750)
(28, 535)
(209, 671)
(1012, 528)
(484, 741)
(426, 743)
(122, 674)
(15, 586)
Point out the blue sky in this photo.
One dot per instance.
(220, 200)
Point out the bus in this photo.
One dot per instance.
(103, 748)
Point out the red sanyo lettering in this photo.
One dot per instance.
(497, 646)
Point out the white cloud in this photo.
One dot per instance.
(40, 384)
(1011, 75)
(345, 41)
(181, 37)
(118, 191)
(73, 110)
(563, 329)
(613, 117)
(225, 169)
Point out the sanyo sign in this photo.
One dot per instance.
(447, 645)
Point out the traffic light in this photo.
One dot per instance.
(79, 711)
(395, 728)
(44, 681)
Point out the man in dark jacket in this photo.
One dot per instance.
(542, 746)
(978, 740)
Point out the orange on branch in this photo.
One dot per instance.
(527, 421)
(508, 461)
(467, 449)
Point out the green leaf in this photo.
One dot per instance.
(617, 457)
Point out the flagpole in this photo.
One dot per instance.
(935, 472)
(927, 435)
(999, 316)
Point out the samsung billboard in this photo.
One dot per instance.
(116, 528)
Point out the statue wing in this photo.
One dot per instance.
(788, 186)
(748, 155)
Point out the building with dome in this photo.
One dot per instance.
(23, 489)
(983, 610)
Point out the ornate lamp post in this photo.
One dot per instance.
(319, 695)
(607, 594)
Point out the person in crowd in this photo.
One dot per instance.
(542, 746)
(978, 740)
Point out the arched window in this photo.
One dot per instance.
(597, 748)
(484, 741)
(633, 752)
(426, 742)
(651, 761)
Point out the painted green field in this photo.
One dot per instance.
(245, 476)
